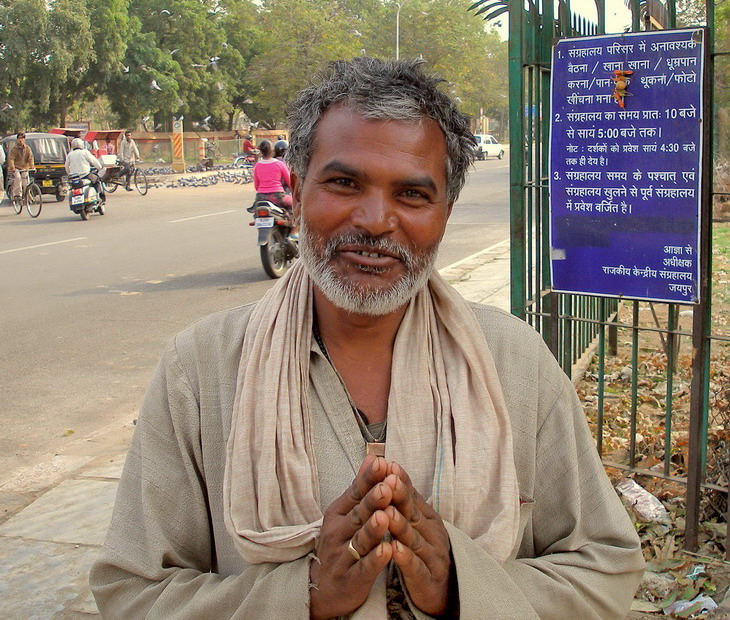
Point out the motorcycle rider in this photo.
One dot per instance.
(128, 155)
(269, 178)
(280, 149)
(284, 197)
(80, 161)
(19, 161)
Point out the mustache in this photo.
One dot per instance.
(377, 243)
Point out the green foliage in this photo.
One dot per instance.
(144, 62)
(159, 59)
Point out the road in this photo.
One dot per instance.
(87, 307)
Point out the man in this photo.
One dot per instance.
(249, 149)
(19, 162)
(128, 155)
(255, 485)
(80, 161)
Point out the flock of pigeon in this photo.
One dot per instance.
(222, 174)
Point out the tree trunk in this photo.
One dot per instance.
(62, 107)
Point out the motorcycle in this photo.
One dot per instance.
(83, 198)
(274, 224)
(246, 160)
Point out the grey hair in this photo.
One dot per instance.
(381, 89)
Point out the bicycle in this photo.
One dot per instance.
(32, 197)
(138, 178)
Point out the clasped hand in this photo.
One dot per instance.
(381, 499)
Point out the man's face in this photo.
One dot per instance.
(373, 209)
(21, 140)
(128, 136)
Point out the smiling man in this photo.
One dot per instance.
(362, 442)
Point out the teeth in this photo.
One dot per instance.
(370, 254)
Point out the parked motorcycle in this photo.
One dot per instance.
(83, 198)
(274, 224)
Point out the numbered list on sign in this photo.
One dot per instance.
(625, 154)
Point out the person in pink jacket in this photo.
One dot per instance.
(270, 176)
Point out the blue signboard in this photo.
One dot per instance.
(625, 165)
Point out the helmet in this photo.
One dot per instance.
(77, 143)
(280, 148)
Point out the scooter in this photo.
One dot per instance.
(274, 224)
(83, 198)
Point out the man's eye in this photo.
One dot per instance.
(343, 182)
(414, 194)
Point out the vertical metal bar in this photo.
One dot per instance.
(671, 312)
(701, 318)
(601, 373)
(613, 333)
(530, 175)
(634, 382)
(517, 160)
(553, 340)
(568, 327)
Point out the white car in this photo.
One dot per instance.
(487, 146)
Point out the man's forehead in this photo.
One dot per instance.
(344, 119)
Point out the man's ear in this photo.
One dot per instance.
(448, 210)
(296, 193)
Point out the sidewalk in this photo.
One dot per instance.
(48, 547)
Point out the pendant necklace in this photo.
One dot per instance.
(374, 445)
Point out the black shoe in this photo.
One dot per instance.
(129, 189)
(251, 209)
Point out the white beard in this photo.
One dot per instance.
(343, 293)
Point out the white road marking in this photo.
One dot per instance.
(468, 258)
(197, 217)
(43, 245)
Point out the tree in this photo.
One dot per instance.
(23, 24)
(147, 82)
(109, 22)
(326, 30)
(457, 47)
(69, 47)
(240, 22)
(188, 33)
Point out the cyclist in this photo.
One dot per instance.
(80, 161)
(19, 161)
(128, 154)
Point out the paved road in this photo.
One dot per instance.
(87, 307)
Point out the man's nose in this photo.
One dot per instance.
(375, 213)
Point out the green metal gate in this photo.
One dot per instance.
(588, 334)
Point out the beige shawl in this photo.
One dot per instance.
(447, 424)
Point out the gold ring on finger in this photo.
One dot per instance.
(353, 551)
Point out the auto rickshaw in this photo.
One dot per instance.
(49, 153)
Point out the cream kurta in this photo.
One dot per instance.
(168, 553)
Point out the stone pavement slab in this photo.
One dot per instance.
(40, 579)
(76, 511)
(111, 470)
